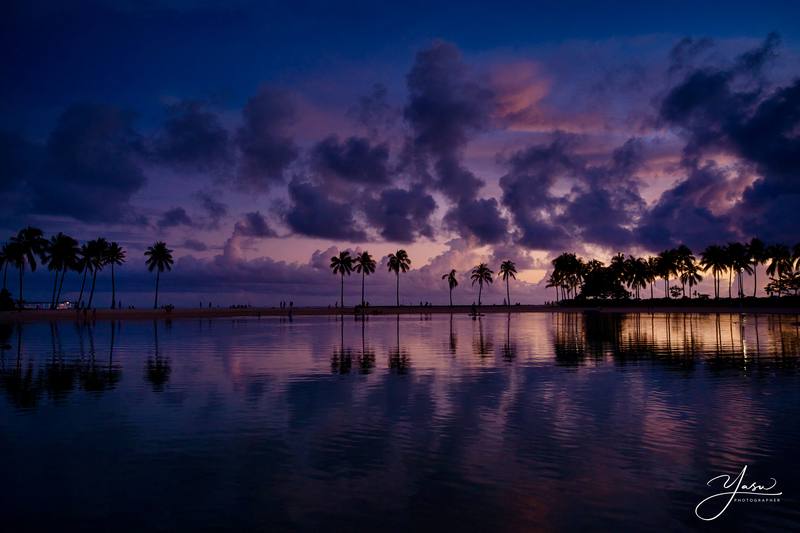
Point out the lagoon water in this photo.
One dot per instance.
(558, 421)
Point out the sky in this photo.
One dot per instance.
(258, 139)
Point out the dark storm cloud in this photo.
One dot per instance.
(18, 161)
(266, 149)
(479, 218)
(402, 215)
(353, 160)
(253, 225)
(719, 110)
(682, 213)
(600, 207)
(193, 137)
(313, 213)
(91, 166)
(177, 216)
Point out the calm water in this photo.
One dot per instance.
(537, 421)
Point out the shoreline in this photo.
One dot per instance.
(36, 315)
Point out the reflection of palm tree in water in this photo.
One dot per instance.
(93, 377)
(59, 376)
(509, 350)
(22, 387)
(453, 339)
(342, 359)
(481, 346)
(366, 360)
(399, 360)
(157, 369)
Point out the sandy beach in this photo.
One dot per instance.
(33, 315)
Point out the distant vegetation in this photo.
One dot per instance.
(573, 278)
(63, 254)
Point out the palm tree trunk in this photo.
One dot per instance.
(398, 287)
(730, 282)
(158, 276)
(83, 284)
(508, 294)
(480, 290)
(755, 278)
(61, 285)
(341, 296)
(451, 296)
(53, 297)
(113, 289)
(651, 290)
(91, 292)
(21, 273)
(363, 276)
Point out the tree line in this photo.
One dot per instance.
(398, 262)
(63, 254)
(573, 277)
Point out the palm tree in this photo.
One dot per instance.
(481, 274)
(684, 259)
(61, 253)
(757, 251)
(159, 258)
(97, 258)
(452, 282)
(690, 275)
(398, 262)
(667, 265)
(508, 270)
(652, 273)
(714, 258)
(115, 255)
(739, 260)
(4, 261)
(365, 265)
(83, 265)
(29, 244)
(342, 264)
(780, 261)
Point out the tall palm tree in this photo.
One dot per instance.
(684, 259)
(398, 262)
(481, 274)
(757, 251)
(83, 264)
(159, 258)
(29, 245)
(61, 253)
(652, 273)
(115, 255)
(667, 265)
(780, 261)
(97, 258)
(690, 275)
(508, 270)
(342, 264)
(739, 261)
(714, 258)
(4, 261)
(364, 265)
(452, 282)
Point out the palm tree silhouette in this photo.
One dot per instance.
(4, 261)
(780, 261)
(159, 258)
(508, 270)
(342, 264)
(398, 262)
(757, 251)
(115, 255)
(713, 258)
(364, 265)
(739, 261)
(97, 258)
(481, 274)
(28, 245)
(690, 275)
(60, 255)
(452, 282)
(83, 265)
